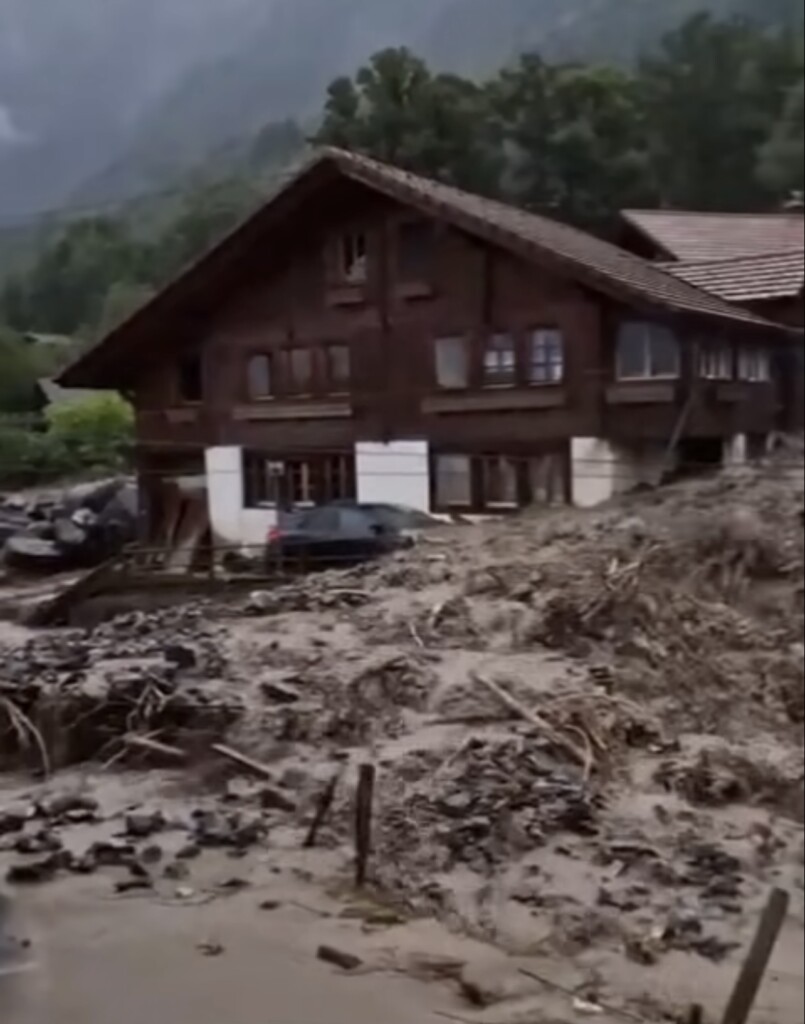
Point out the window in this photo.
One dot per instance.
(546, 357)
(294, 482)
(299, 371)
(453, 481)
(415, 250)
(338, 370)
(548, 479)
(500, 361)
(716, 362)
(259, 377)
(754, 365)
(499, 478)
(353, 257)
(452, 363)
(647, 351)
(191, 377)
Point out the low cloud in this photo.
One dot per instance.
(10, 134)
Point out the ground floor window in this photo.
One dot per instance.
(298, 481)
(716, 362)
(453, 481)
(754, 365)
(495, 483)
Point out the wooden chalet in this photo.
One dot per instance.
(372, 334)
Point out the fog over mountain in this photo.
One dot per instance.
(102, 98)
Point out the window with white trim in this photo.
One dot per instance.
(453, 481)
(259, 377)
(647, 351)
(754, 365)
(500, 361)
(716, 362)
(452, 362)
(353, 257)
(546, 356)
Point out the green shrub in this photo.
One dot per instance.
(94, 432)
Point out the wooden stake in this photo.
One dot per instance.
(325, 802)
(757, 960)
(363, 822)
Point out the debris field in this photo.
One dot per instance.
(586, 729)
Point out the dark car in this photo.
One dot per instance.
(398, 517)
(330, 536)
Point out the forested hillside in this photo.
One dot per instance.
(105, 99)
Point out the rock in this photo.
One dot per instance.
(111, 852)
(279, 693)
(67, 803)
(181, 656)
(484, 985)
(151, 854)
(331, 955)
(34, 872)
(270, 905)
(189, 852)
(12, 821)
(273, 800)
(211, 949)
(141, 825)
(42, 842)
(177, 870)
(133, 885)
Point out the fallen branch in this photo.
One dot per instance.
(25, 729)
(579, 756)
(245, 762)
(151, 746)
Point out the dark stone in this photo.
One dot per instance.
(346, 961)
(273, 800)
(144, 824)
(180, 656)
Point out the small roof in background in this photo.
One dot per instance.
(685, 235)
(55, 394)
(746, 278)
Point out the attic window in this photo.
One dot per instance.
(353, 257)
(415, 250)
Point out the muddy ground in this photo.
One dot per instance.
(619, 845)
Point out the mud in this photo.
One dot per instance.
(659, 638)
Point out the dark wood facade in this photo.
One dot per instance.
(328, 337)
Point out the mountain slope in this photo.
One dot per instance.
(102, 99)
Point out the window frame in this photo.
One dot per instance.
(332, 385)
(534, 340)
(422, 273)
(326, 477)
(459, 339)
(290, 381)
(271, 394)
(712, 362)
(491, 348)
(438, 459)
(486, 461)
(762, 358)
(349, 254)
(648, 333)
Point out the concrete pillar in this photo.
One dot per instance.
(230, 521)
(600, 470)
(397, 473)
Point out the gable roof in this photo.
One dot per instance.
(747, 278)
(597, 264)
(685, 235)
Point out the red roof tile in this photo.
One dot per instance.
(688, 236)
(746, 278)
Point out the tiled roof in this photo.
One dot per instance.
(599, 265)
(747, 278)
(688, 236)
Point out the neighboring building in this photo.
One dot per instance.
(370, 333)
(755, 260)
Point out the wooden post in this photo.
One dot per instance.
(363, 822)
(757, 960)
(325, 802)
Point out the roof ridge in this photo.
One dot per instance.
(661, 212)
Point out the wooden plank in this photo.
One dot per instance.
(757, 960)
(245, 762)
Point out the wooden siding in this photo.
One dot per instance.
(296, 299)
